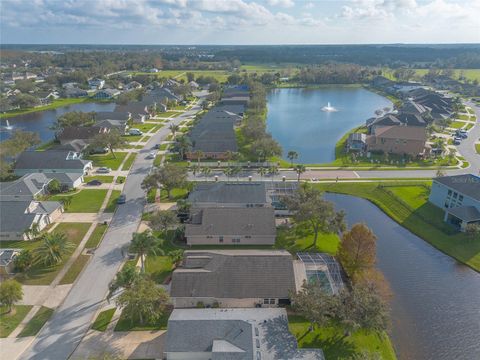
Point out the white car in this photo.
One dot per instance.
(103, 170)
(135, 132)
(151, 155)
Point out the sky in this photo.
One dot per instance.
(239, 22)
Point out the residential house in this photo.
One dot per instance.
(112, 115)
(400, 119)
(105, 94)
(110, 124)
(7, 261)
(225, 194)
(51, 161)
(459, 196)
(231, 226)
(138, 111)
(233, 278)
(399, 140)
(96, 83)
(74, 92)
(85, 133)
(412, 107)
(132, 85)
(357, 142)
(236, 334)
(193, 85)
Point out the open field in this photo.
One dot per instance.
(219, 75)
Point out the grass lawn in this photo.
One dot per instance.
(333, 343)
(457, 124)
(175, 194)
(103, 319)
(126, 325)
(158, 160)
(164, 147)
(477, 148)
(408, 205)
(108, 160)
(132, 138)
(85, 201)
(129, 162)
(53, 105)
(145, 127)
(112, 202)
(96, 236)
(159, 267)
(120, 179)
(151, 194)
(300, 238)
(36, 323)
(107, 179)
(9, 322)
(167, 114)
(75, 270)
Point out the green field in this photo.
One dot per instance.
(108, 160)
(85, 201)
(55, 104)
(36, 323)
(10, 321)
(103, 319)
(219, 75)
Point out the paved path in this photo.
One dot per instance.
(71, 321)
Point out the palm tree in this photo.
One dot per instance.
(66, 201)
(33, 231)
(183, 145)
(176, 256)
(228, 172)
(300, 169)
(236, 171)
(174, 128)
(54, 247)
(199, 154)
(206, 171)
(273, 170)
(195, 169)
(292, 155)
(262, 171)
(145, 243)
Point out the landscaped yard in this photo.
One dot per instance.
(75, 269)
(175, 194)
(36, 323)
(129, 162)
(107, 179)
(126, 325)
(108, 160)
(96, 236)
(457, 124)
(112, 202)
(103, 319)
(335, 345)
(159, 267)
(477, 147)
(300, 238)
(85, 201)
(10, 321)
(144, 127)
(409, 206)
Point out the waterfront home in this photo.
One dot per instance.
(412, 107)
(111, 124)
(231, 226)
(106, 94)
(74, 92)
(233, 278)
(85, 133)
(400, 119)
(239, 334)
(96, 83)
(51, 161)
(356, 142)
(225, 194)
(399, 140)
(112, 115)
(459, 197)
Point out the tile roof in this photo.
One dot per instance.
(467, 184)
(402, 132)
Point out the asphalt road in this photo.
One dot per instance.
(70, 322)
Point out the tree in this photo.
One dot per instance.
(357, 250)
(183, 145)
(23, 261)
(228, 172)
(266, 147)
(66, 201)
(206, 171)
(176, 256)
(24, 101)
(111, 140)
(169, 177)
(174, 129)
(163, 220)
(33, 231)
(10, 293)
(292, 155)
(183, 208)
(124, 279)
(25, 86)
(300, 169)
(440, 173)
(308, 206)
(199, 154)
(74, 118)
(473, 231)
(262, 171)
(144, 243)
(273, 170)
(190, 76)
(54, 186)
(18, 142)
(195, 169)
(54, 247)
(144, 301)
(362, 308)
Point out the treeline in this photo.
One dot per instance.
(334, 73)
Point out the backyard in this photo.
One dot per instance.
(84, 201)
(108, 160)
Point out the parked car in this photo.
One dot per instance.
(135, 132)
(94, 182)
(103, 170)
(122, 199)
(456, 141)
(151, 155)
(157, 146)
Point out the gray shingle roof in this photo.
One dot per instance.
(25, 188)
(467, 184)
(229, 193)
(234, 221)
(465, 213)
(112, 115)
(13, 217)
(234, 274)
(50, 159)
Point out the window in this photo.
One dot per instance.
(235, 240)
(449, 192)
(220, 239)
(269, 301)
(248, 237)
(455, 195)
(460, 198)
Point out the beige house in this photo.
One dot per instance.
(400, 140)
(232, 226)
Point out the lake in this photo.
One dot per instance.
(41, 121)
(436, 302)
(296, 120)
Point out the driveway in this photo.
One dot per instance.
(71, 321)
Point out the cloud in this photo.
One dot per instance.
(281, 3)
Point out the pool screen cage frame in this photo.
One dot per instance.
(314, 261)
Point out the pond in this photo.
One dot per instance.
(41, 121)
(296, 120)
(436, 301)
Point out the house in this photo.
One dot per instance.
(67, 180)
(412, 107)
(236, 100)
(400, 140)
(96, 83)
(356, 142)
(85, 133)
(135, 109)
(233, 278)
(231, 226)
(106, 94)
(193, 85)
(132, 85)
(400, 119)
(7, 258)
(153, 70)
(110, 124)
(29, 186)
(459, 196)
(74, 92)
(112, 115)
(236, 334)
(51, 161)
(225, 194)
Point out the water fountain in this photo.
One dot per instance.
(329, 108)
(8, 126)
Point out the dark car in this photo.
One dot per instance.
(94, 182)
(122, 199)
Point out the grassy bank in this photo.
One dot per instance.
(408, 205)
(53, 105)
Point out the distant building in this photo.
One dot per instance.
(85, 133)
(459, 196)
(96, 83)
(106, 94)
(74, 92)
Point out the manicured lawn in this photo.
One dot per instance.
(158, 160)
(129, 162)
(9, 322)
(126, 325)
(85, 201)
(108, 160)
(55, 104)
(300, 238)
(120, 179)
(103, 319)
(164, 147)
(477, 147)
(107, 179)
(96, 236)
(333, 343)
(132, 138)
(465, 117)
(36, 323)
(167, 114)
(39, 274)
(159, 267)
(457, 124)
(75, 270)
(112, 202)
(410, 208)
(151, 194)
(145, 127)
(175, 194)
